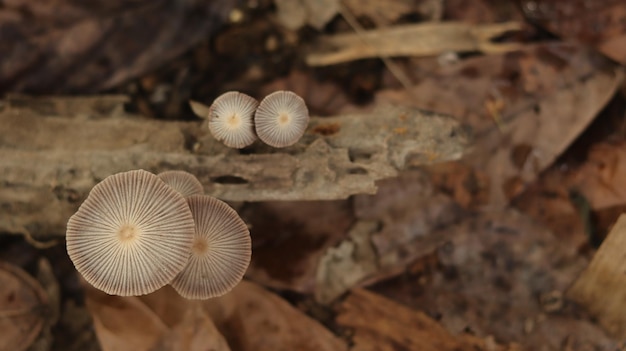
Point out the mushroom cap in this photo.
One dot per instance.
(221, 250)
(132, 234)
(281, 119)
(183, 182)
(231, 119)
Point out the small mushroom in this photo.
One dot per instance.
(131, 235)
(220, 253)
(281, 119)
(231, 119)
(183, 182)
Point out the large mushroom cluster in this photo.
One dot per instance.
(279, 120)
(137, 232)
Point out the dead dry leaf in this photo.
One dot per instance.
(159, 321)
(23, 304)
(247, 318)
(380, 324)
(525, 108)
(580, 203)
(503, 274)
(251, 318)
(601, 23)
(601, 177)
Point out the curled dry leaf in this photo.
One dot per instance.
(23, 303)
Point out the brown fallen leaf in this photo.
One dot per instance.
(68, 47)
(601, 23)
(23, 304)
(379, 324)
(549, 201)
(247, 318)
(159, 321)
(580, 202)
(525, 108)
(504, 275)
(601, 177)
(251, 318)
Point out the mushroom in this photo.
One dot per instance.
(131, 235)
(183, 182)
(231, 119)
(281, 119)
(220, 253)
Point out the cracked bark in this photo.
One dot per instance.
(54, 151)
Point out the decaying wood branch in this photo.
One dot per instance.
(51, 160)
(424, 39)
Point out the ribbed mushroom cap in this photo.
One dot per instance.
(183, 182)
(231, 119)
(281, 119)
(220, 253)
(132, 235)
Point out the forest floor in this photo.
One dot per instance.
(479, 253)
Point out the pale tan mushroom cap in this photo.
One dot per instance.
(183, 182)
(231, 119)
(220, 253)
(281, 119)
(132, 235)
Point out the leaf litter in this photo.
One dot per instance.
(447, 263)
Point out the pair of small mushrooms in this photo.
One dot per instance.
(136, 232)
(279, 120)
